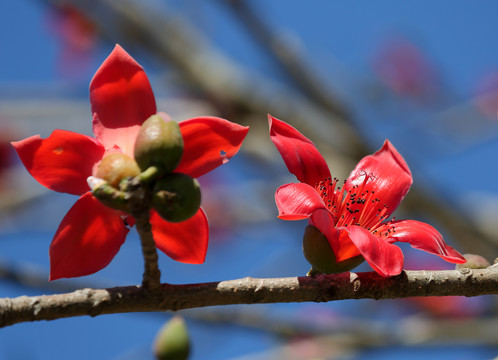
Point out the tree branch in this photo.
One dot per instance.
(322, 288)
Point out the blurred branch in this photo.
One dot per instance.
(348, 341)
(171, 39)
(322, 288)
(288, 57)
(356, 331)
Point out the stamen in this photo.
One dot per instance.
(356, 206)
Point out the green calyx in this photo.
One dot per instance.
(176, 197)
(172, 341)
(110, 196)
(320, 255)
(159, 143)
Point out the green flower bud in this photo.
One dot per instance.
(320, 255)
(172, 341)
(159, 143)
(116, 167)
(176, 197)
(473, 262)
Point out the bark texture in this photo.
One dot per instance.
(321, 288)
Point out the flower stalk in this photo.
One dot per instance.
(139, 207)
(135, 199)
(152, 275)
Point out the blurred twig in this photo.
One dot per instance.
(171, 39)
(412, 331)
(289, 58)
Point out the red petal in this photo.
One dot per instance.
(298, 152)
(385, 258)
(87, 239)
(186, 241)
(389, 177)
(323, 220)
(297, 201)
(122, 100)
(424, 237)
(208, 143)
(62, 162)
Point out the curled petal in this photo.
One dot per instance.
(340, 242)
(87, 239)
(62, 162)
(186, 241)
(122, 100)
(208, 143)
(298, 152)
(424, 237)
(323, 220)
(388, 177)
(297, 201)
(385, 258)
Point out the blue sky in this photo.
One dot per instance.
(339, 39)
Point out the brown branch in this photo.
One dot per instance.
(322, 288)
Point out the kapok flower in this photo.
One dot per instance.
(353, 218)
(91, 234)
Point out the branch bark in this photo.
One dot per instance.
(322, 288)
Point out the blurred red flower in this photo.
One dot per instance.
(405, 69)
(78, 39)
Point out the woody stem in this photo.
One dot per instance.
(139, 209)
(152, 275)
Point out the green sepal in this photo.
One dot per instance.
(172, 341)
(159, 143)
(176, 197)
(110, 196)
(320, 255)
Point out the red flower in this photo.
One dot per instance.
(91, 234)
(354, 218)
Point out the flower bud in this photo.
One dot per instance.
(176, 197)
(172, 341)
(473, 262)
(320, 255)
(159, 143)
(116, 167)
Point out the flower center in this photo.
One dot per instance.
(356, 206)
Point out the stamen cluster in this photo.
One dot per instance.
(356, 206)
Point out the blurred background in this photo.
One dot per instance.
(348, 75)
